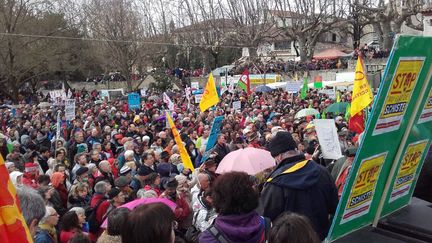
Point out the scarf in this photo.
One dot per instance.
(51, 231)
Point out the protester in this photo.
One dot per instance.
(116, 222)
(292, 228)
(110, 155)
(235, 200)
(298, 185)
(32, 207)
(151, 223)
(47, 233)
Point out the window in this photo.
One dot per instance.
(334, 37)
(282, 45)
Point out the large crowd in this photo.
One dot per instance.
(116, 175)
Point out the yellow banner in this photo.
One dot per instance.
(182, 149)
(363, 189)
(362, 93)
(407, 170)
(210, 96)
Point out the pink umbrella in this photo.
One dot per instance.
(135, 203)
(249, 160)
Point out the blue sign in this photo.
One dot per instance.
(134, 101)
(215, 129)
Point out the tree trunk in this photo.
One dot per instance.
(387, 35)
(303, 50)
(206, 61)
(377, 29)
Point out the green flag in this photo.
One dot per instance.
(347, 112)
(324, 114)
(9, 147)
(305, 89)
(318, 82)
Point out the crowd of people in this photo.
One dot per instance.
(116, 175)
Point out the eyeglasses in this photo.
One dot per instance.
(54, 215)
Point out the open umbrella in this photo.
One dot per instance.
(337, 108)
(249, 160)
(263, 89)
(306, 112)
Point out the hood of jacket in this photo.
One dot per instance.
(302, 178)
(244, 228)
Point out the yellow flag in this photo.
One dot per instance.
(362, 93)
(182, 149)
(210, 96)
(338, 97)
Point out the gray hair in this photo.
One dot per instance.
(32, 204)
(48, 213)
(100, 187)
(128, 153)
(78, 210)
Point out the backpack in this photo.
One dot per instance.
(90, 213)
(222, 239)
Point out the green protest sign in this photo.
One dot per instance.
(401, 183)
(404, 80)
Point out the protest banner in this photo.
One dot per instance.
(58, 97)
(391, 133)
(198, 98)
(215, 129)
(293, 87)
(70, 109)
(328, 138)
(134, 101)
(143, 92)
(195, 85)
(237, 105)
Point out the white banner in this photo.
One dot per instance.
(168, 101)
(143, 92)
(328, 138)
(70, 109)
(293, 86)
(58, 97)
(194, 85)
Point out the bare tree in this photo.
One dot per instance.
(387, 17)
(304, 21)
(252, 21)
(118, 23)
(33, 44)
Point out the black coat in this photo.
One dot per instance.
(222, 151)
(309, 191)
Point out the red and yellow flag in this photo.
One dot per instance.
(187, 162)
(210, 96)
(362, 93)
(13, 228)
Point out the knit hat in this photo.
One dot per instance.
(31, 167)
(125, 169)
(171, 183)
(121, 181)
(164, 169)
(281, 142)
(144, 170)
(113, 193)
(81, 171)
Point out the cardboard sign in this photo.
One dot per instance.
(237, 105)
(70, 109)
(198, 98)
(328, 138)
(134, 101)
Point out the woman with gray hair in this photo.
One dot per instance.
(46, 233)
(81, 217)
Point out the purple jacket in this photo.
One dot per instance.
(245, 228)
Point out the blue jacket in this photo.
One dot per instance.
(42, 236)
(308, 190)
